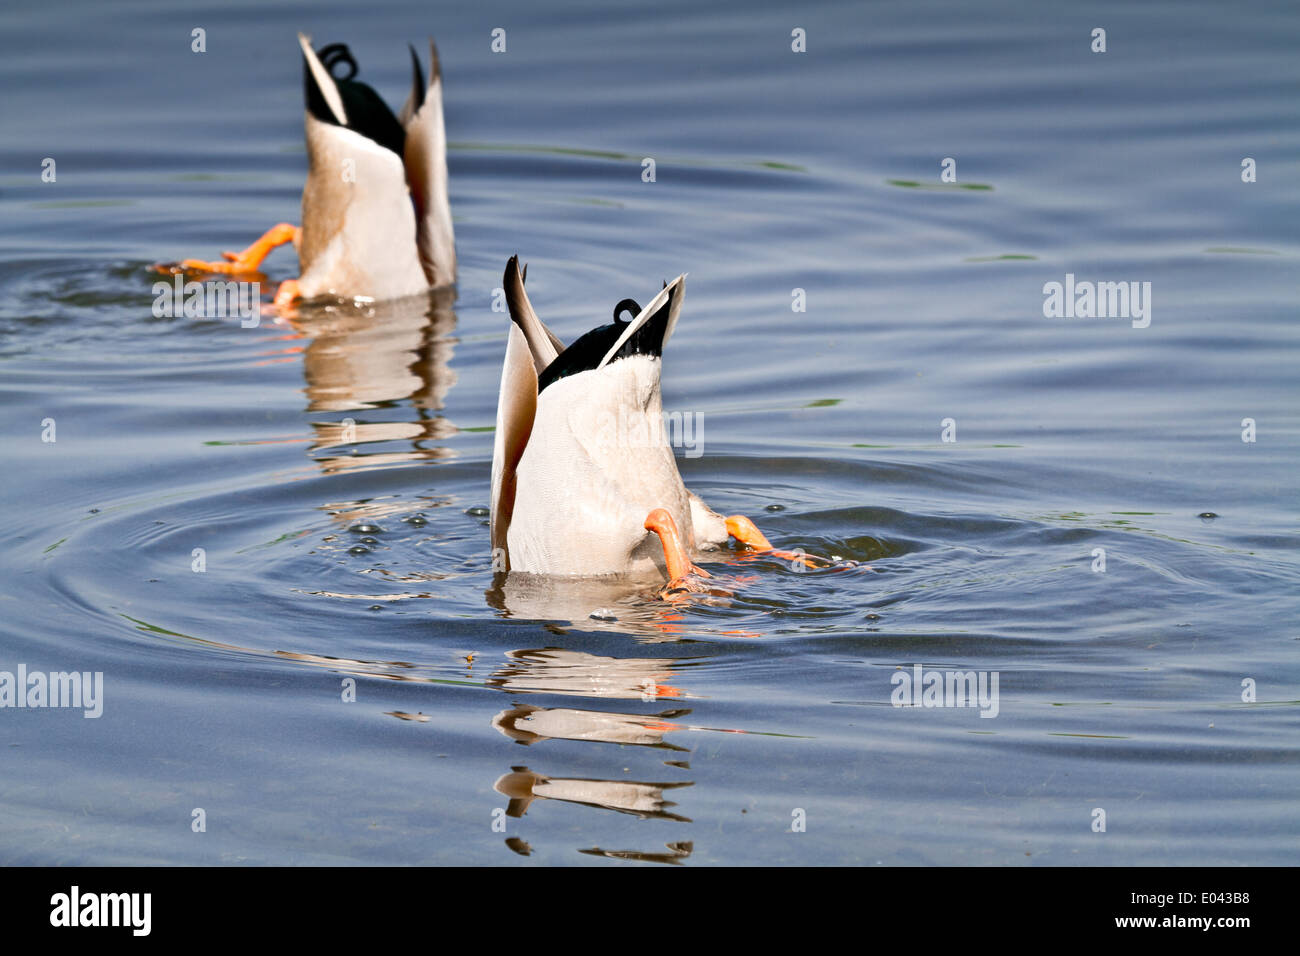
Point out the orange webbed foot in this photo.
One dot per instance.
(747, 533)
(288, 293)
(245, 262)
(683, 576)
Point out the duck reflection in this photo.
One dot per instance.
(374, 357)
(529, 725)
(556, 670)
(521, 847)
(362, 356)
(677, 852)
(641, 799)
(598, 604)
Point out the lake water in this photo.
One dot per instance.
(493, 719)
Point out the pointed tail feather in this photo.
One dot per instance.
(425, 159)
(542, 343)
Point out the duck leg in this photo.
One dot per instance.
(745, 531)
(681, 572)
(287, 293)
(245, 261)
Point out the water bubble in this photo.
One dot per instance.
(364, 528)
(418, 520)
(603, 614)
(376, 607)
(358, 549)
(369, 540)
(1207, 516)
(477, 512)
(775, 508)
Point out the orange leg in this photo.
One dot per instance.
(744, 531)
(238, 263)
(680, 569)
(287, 293)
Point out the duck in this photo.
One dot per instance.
(584, 482)
(376, 219)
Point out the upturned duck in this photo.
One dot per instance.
(376, 221)
(578, 486)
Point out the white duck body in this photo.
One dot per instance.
(585, 488)
(579, 466)
(347, 234)
(376, 222)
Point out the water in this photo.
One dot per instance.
(705, 733)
